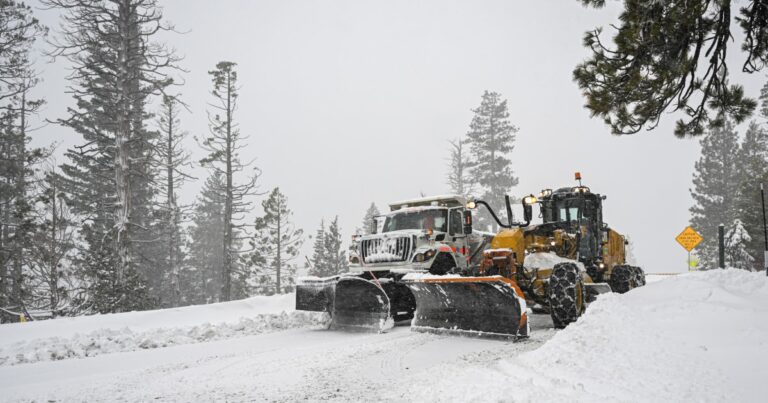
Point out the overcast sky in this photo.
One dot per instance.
(349, 102)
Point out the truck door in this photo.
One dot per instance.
(456, 236)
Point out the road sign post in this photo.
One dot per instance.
(721, 246)
(688, 239)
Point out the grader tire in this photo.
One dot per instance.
(566, 294)
(623, 278)
(639, 276)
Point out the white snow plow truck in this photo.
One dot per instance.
(427, 235)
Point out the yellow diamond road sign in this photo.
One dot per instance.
(689, 238)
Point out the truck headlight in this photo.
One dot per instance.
(424, 256)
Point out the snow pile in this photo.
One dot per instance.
(547, 260)
(90, 336)
(416, 276)
(695, 337)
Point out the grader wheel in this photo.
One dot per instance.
(639, 276)
(623, 278)
(566, 294)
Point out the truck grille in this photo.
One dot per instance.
(381, 250)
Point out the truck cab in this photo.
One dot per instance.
(427, 234)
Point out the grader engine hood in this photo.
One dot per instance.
(513, 239)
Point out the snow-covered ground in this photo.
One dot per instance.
(693, 337)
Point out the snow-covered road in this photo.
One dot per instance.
(695, 337)
(292, 365)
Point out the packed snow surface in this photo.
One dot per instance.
(88, 336)
(694, 337)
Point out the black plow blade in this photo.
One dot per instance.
(361, 304)
(473, 306)
(315, 294)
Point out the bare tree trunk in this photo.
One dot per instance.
(4, 250)
(18, 236)
(53, 280)
(278, 259)
(122, 153)
(227, 272)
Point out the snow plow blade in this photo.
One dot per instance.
(473, 306)
(360, 304)
(315, 294)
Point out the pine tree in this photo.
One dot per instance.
(737, 241)
(458, 179)
(18, 32)
(319, 263)
(753, 170)
(491, 139)
(715, 185)
(223, 147)
(670, 56)
(171, 157)
(335, 255)
(52, 282)
(276, 245)
(117, 67)
(200, 279)
(369, 220)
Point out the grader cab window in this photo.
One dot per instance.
(568, 214)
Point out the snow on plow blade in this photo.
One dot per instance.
(315, 294)
(477, 306)
(360, 304)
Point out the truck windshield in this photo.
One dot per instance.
(435, 220)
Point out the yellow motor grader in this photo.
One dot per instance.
(555, 267)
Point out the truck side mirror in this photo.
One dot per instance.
(467, 222)
(527, 212)
(374, 225)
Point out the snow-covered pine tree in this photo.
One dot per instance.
(51, 280)
(737, 241)
(319, 265)
(336, 256)
(200, 278)
(491, 139)
(223, 146)
(275, 245)
(369, 219)
(458, 178)
(172, 158)
(117, 67)
(715, 185)
(753, 170)
(19, 30)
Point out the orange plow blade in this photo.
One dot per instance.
(476, 306)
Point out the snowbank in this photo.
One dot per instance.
(694, 337)
(88, 336)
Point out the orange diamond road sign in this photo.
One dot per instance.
(689, 238)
